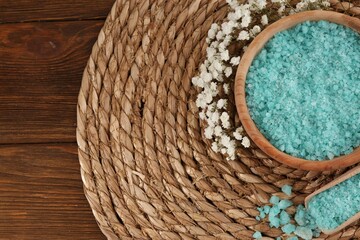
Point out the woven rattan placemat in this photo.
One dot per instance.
(147, 170)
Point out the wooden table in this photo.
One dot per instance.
(44, 47)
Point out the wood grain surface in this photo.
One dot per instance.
(41, 194)
(41, 65)
(44, 47)
(42, 10)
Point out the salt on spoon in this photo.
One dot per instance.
(353, 172)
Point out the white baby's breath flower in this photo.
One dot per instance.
(246, 20)
(226, 125)
(209, 131)
(243, 35)
(212, 107)
(221, 103)
(255, 30)
(215, 27)
(227, 40)
(227, 27)
(202, 115)
(210, 52)
(303, 5)
(238, 133)
(281, 9)
(225, 120)
(222, 47)
(211, 33)
(257, 4)
(215, 147)
(200, 101)
(214, 88)
(225, 55)
(203, 67)
(244, 8)
(219, 35)
(232, 16)
(245, 142)
(261, 4)
(235, 61)
(228, 71)
(264, 20)
(237, 136)
(207, 95)
(214, 44)
(218, 131)
(197, 81)
(225, 140)
(215, 117)
(226, 88)
(217, 65)
(206, 77)
(325, 3)
(219, 77)
(233, 3)
(238, 13)
(231, 150)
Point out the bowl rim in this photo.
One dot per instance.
(240, 98)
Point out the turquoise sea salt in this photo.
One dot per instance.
(303, 90)
(286, 189)
(301, 224)
(257, 235)
(326, 210)
(334, 206)
(288, 228)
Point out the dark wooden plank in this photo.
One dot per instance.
(40, 10)
(41, 66)
(41, 194)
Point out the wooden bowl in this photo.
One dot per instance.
(242, 109)
(338, 180)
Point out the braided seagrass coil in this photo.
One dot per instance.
(147, 170)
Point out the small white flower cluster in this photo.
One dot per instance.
(218, 67)
(315, 4)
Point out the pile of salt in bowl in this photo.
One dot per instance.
(326, 211)
(303, 90)
(334, 206)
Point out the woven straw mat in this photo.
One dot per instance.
(148, 172)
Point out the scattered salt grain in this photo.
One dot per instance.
(293, 238)
(257, 235)
(284, 218)
(288, 228)
(304, 233)
(274, 199)
(286, 189)
(284, 204)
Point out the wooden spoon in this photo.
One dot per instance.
(338, 180)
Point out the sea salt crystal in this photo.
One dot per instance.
(304, 233)
(286, 189)
(257, 235)
(288, 228)
(274, 199)
(284, 218)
